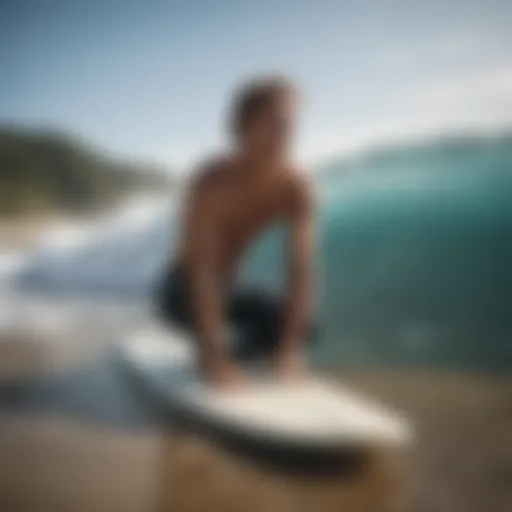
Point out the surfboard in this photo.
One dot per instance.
(317, 413)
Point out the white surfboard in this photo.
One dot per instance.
(315, 413)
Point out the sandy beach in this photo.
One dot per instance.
(76, 438)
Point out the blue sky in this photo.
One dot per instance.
(152, 79)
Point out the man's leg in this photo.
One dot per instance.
(175, 308)
(172, 300)
(258, 318)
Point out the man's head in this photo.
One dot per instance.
(263, 115)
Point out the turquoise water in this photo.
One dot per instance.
(414, 256)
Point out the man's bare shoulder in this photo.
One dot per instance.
(299, 188)
(210, 173)
(206, 184)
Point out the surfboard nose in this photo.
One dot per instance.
(316, 412)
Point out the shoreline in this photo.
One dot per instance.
(26, 231)
(22, 233)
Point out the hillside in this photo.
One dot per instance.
(44, 171)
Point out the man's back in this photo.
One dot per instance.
(235, 205)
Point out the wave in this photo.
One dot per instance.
(414, 255)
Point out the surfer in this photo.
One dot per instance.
(230, 201)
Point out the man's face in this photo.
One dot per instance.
(271, 131)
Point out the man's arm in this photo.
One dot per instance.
(204, 278)
(299, 271)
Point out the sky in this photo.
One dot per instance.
(150, 79)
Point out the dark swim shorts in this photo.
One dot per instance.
(257, 316)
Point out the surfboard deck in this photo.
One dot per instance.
(314, 413)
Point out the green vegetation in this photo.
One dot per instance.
(48, 172)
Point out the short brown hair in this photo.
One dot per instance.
(255, 96)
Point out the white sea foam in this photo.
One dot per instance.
(121, 249)
(11, 263)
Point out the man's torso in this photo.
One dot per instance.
(243, 206)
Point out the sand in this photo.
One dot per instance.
(56, 465)
(58, 459)
(23, 233)
(462, 459)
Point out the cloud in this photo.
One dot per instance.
(477, 100)
(487, 89)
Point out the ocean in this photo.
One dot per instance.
(414, 257)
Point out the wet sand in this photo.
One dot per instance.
(462, 458)
(53, 464)
(78, 438)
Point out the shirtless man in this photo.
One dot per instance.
(231, 200)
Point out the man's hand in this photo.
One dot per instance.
(221, 373)
(290, 367)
